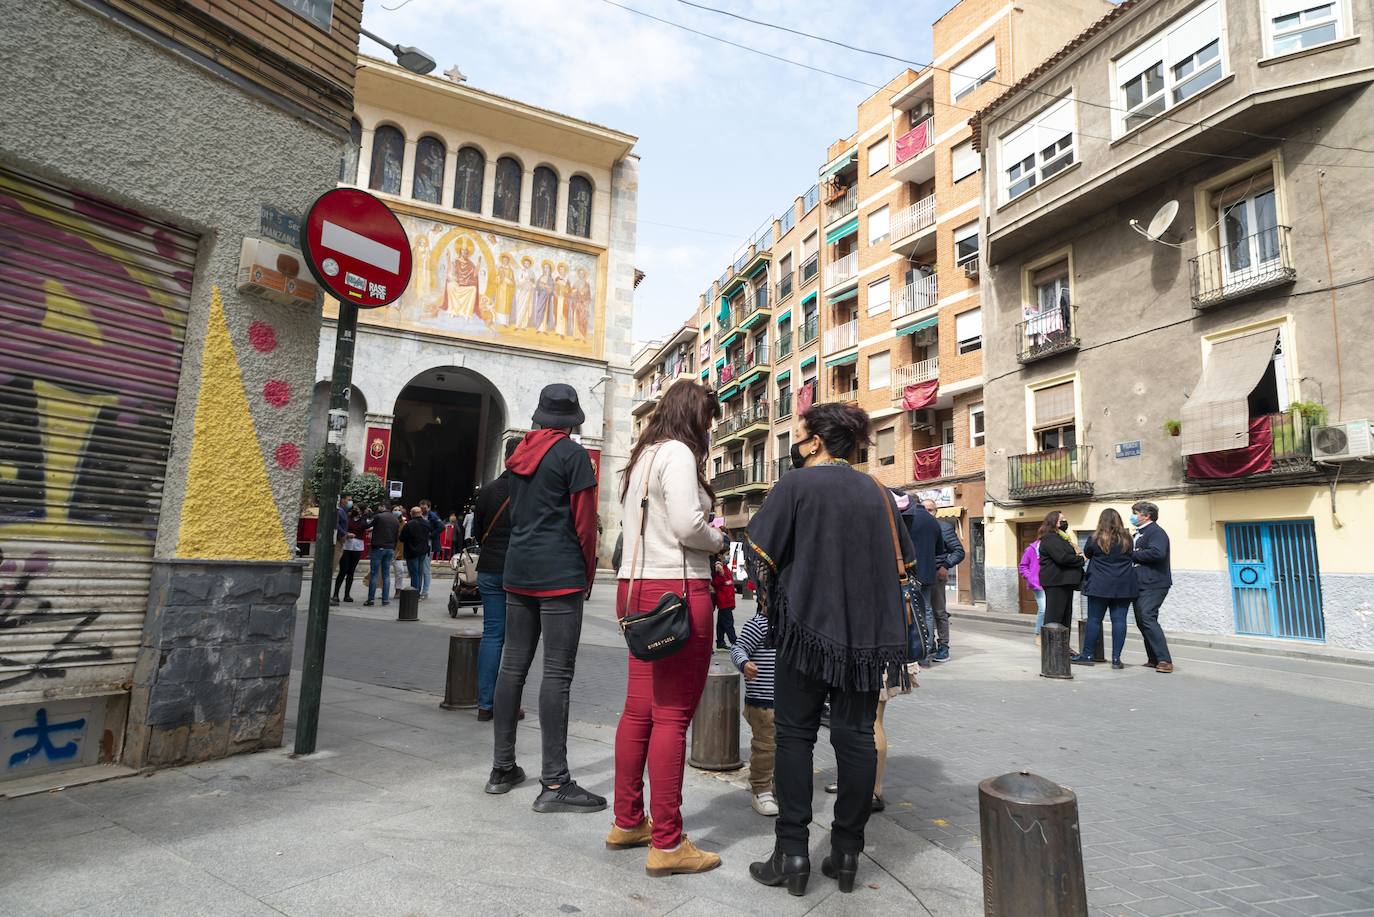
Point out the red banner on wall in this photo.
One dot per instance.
(378, 451)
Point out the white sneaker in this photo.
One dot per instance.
(765, 804)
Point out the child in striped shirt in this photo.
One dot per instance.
(753, 657)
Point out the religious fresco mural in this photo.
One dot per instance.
(474, 283)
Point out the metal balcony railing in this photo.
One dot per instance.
(1055, 330)
(933, 463)
(1051, 473)
(752, 359)
(810, 330)
(920, 294)
(1242, 266)
(810, 266)
(782, 407)
(843, 206)
(842, 336)
(756, 302)
(784, 344)
(914, 373)
(784, 286)
(743, 476)
(914, 218)
(907, 150)
(842, 269)
(781, 467)
(757, 413)
(726, 321)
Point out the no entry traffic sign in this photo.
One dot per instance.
(356, 248)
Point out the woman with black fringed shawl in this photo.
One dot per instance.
(821, 554)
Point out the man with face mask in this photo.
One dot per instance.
(1151, 556)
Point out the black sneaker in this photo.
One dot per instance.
(568, 798)
(503, 780)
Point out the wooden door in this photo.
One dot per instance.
(1025, 534)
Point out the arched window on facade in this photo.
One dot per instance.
(580, 207)
(388, 155)
(429, 170)
(544, 206)
(472, 171)
(506, 205)
(348, 162)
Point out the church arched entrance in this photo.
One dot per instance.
(445, 437)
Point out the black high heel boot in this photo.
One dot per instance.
(780, 869)
(842, 867)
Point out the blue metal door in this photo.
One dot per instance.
(1275, 580)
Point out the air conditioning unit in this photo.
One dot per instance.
(1342, 442)
(971, 269)
(921, 419)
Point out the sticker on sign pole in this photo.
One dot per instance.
(356, 248)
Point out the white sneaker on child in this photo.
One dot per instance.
(765, 804)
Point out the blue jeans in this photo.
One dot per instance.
(493, 637)
(380, 560)
(426, 575)
(416, 572)
(1039, 610)
(1097, 609)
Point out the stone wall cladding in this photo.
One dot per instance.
(211, 678)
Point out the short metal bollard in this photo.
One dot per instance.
(715, 726)
(1099, 649)
(1054, 652)
(460, 686)
(409, 600)
(1032, 851)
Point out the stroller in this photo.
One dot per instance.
(464, 594)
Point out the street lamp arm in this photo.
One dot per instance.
(413, 59)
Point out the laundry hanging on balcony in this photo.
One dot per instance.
(913, 141)
(1216, 416)
(926, 463)
(1256, 458)
(919, 395)
(806, 396)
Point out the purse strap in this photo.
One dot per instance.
(495, 519)
(896, 542)
(635, 558)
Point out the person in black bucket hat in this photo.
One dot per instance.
(550, 565)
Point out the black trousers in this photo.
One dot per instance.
(1147, 606)
(1059, 605)
(348, 562)
(725, 626)
(797, 716)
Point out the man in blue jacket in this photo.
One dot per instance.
(949, 554)
(1151, 556)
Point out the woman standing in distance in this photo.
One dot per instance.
(1061, 568)
(666, 494)
(1111, 584)
(821, 554)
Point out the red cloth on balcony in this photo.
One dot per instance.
(1255, 458)
(806, 396)
(920, 394)
(926, 463)
(913, 141)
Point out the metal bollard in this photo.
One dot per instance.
(1054, 652)
(409, 601)
(715, 726)
(460, 685)
(1032, 851)
(1099, 648)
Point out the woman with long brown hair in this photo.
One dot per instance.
(1111, 584)
(1061, 568)
(668, 547)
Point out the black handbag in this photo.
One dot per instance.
(664, 629)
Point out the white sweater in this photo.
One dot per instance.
(678, 512)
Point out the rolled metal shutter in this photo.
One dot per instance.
(93, 305)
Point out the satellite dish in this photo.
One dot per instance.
(1159, 223)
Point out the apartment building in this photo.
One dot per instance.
(657, 365)
(1176, 205)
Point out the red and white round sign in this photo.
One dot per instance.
(356, 248)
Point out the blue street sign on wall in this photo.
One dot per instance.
(1128, 450)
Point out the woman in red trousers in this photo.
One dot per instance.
(668, 548)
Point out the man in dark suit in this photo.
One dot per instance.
(949, 554)
(1151, 556)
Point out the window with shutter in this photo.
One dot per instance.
(964, 160)
(878, 156)
(1297, 24)
(878, 225)
(887, 446)
(968, 330)
(1039, 149)
(1171, 66)
(973, 71)
(880, 370)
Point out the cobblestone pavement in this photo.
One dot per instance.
(1241, 784)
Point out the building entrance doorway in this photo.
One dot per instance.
(445, 437)
(1025, 537)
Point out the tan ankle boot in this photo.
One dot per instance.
(685, 859)
(625, 838)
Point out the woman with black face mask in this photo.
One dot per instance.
(1061, 568)
(821, 553)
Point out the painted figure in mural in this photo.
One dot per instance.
(503, 291)
(582, 303)
(524, 294)
(422, 281)
(543, 298)
(460, 287)
(562, 302)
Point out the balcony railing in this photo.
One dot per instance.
(743, 476)
(782, 407)
(755, 414)
(843, 206)
(810, 266)
(935, 462)
(726, 321)
(751, 304)
(851, 394)
(784, 286)
(846, 268)
(781, 467)
(920, 294)
(915, 141)
(842, 336)
(914, 218)
(752, 359)
(784, 344)
(914, 373)
(1052, 473)
(810, 329)
(1242, 266)
(1290, 453)
(1047, 333)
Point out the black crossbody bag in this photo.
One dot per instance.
(664, 629)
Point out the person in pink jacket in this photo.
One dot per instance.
(1030, 572)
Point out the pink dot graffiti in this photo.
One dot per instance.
(288, 456)
(263, 337)
(276, 392)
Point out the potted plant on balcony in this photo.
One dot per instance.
(1173, 427)
(1312, 411)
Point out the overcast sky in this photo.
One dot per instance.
(726, 137)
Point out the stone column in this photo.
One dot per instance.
(365, 158)
(408, 168)
(526, 196)
(488, 188)
(561, 206)
(450, 178)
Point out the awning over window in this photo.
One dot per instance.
(1054, 405)
(843, 361)
(785, 316)
(850, 225)
(724, 312)
(811, 297)
(729, 392)
(808, 362)
(840, 163)
(849, 294)
(720, 364)
(919, 326)
(1216, 415)
(784, 376)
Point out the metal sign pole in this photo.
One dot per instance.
(312, 672)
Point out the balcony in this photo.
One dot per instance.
(917, 296)
(913, 159)
(782, 407)
(810, 330)
(933, 463)
(752, 360)
(913, 227)
(914, 374)
(754, 420)
(842, 337)
(781, 467)
(843, 205)
(1049, 475)
(849, 395)
(783, 288)
(809, 268)
(1052, 331)
(743, 479)
(1286, 450)
(842, 270)
(784, 344)
(752, 308)
(1242, 267)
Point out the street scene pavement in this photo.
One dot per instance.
(1238, 785)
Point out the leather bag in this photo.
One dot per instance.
(664, 629)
